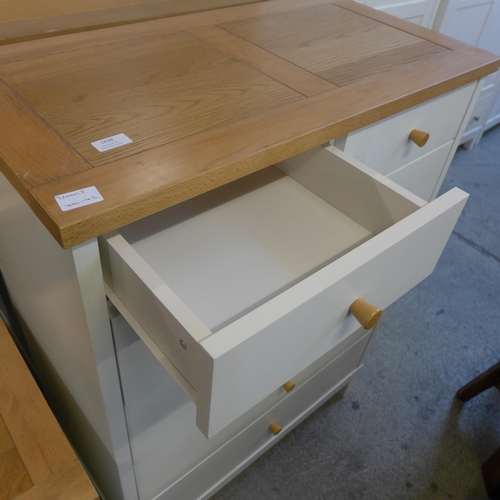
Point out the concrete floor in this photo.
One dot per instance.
(400, 434)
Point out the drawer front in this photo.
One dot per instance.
(421, 176)
(200, 466)
(385, 146)
(235, 368)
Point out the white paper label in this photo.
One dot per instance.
(79, 198)
(112, 142)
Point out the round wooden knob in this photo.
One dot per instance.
(366, 313)
(275, 428)
(289, 386)
(419, 137)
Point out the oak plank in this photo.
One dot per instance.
(155, 90)
(20, 10)
(94, 38)
(289, 74)
(32, 426)
(145, 183)
(334, 43)
(32, 19)
(14, 478)
(31, 153)
(69, 483)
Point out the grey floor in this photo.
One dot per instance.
(400, 434)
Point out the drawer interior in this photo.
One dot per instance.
(228, 251)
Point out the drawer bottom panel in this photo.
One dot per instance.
(422, 176)
(220, 467)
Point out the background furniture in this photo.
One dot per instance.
(476, 22)
(36, 460)
(420, 12)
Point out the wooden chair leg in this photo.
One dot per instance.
(487, 379)
(491, 475)
(490, 468)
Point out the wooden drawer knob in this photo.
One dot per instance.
(289, 386)
(366, 313)
(275, 428)
(419, 137)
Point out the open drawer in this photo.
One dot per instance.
(239, 289)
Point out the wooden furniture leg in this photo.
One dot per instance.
(487, 379)
(490, 468)
(491, 475)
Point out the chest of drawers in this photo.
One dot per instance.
(234, 278)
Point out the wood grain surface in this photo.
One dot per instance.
(210, 97)
(36, 460)
(30, 19)
(31, 153)
(158, 89)
(334, 43)
(14, 478)
(287, 73)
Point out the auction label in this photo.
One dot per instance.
(78, 198)
(115, 141)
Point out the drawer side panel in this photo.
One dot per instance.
(165, 318)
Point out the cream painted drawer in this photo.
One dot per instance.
(422, 175)
(238, 290)
(385, 146)
(164, 440)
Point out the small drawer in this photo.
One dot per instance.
(421, 176)
(242, 288)
(386, 146)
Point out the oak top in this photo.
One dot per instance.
(206, 98)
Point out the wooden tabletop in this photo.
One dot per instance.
(36, 460)
(204, 99)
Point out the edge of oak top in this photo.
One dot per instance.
(206, 98)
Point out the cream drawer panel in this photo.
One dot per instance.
(385, 146)
(421, 176)
(381, 241)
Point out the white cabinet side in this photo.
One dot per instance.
(60, 296)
